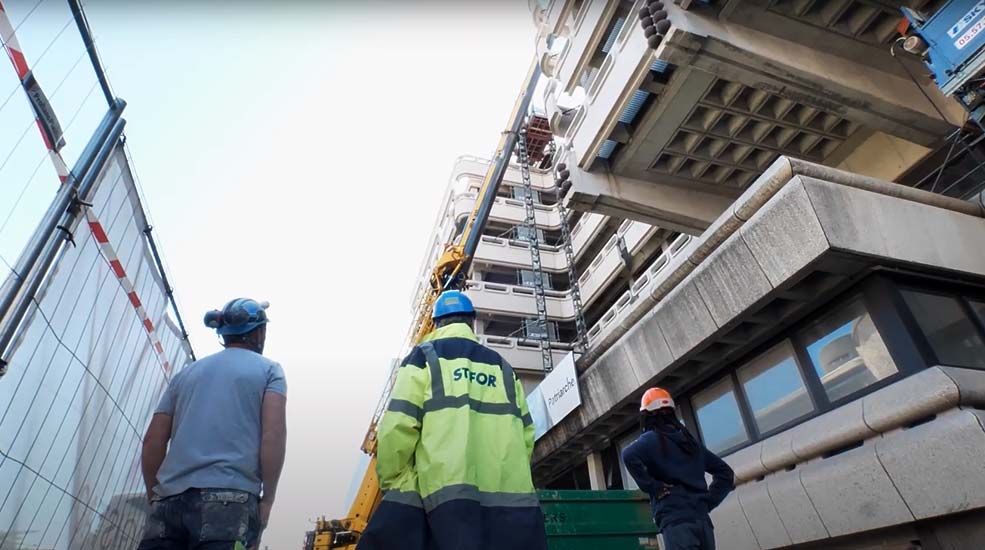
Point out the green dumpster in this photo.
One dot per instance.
(598, 520)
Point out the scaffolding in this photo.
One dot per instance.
(533, 241)
(569, 253)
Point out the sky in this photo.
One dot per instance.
(291, 152)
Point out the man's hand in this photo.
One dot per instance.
(265, 507)
(664, 491)
(154, 449)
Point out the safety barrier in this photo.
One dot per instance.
(87, 342)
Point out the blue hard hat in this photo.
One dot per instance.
(239, 316)
(451, 302)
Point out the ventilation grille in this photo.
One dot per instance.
(735, 132)
(866, 21)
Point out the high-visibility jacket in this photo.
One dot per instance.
(453, 454)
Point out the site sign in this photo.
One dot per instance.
(556, 396)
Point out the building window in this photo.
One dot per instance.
(949, 331)
(526, 277)
(718, 417)
(533, 330)
(775, 388)
(628, 483)
(524, 233)
(520, 193)
(979, 309)
(847, 351)
(839, 355)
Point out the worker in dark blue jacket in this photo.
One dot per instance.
(669, 464)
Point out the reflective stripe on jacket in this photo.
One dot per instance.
(455, 443)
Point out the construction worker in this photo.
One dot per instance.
(669, 464)
(454, 448)
(224, 415)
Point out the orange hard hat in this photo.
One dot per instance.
(656, 398)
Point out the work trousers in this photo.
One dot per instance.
(692, 535)
(203, 519)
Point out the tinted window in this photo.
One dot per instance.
(951, 334)
(775, 388)
(979, 308)
(847, 351)
(718, 417)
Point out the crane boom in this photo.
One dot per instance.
(450, 272)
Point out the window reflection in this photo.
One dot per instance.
(718, 417)
(775, 388)
(950, 332)
(847, 351)
(979, 309)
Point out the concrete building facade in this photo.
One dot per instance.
(822, 321)
(610, 254)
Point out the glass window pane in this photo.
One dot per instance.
(951, 334)
(628, 483)
(847, 351)
(719, 418)
(775, 389)
(979, 308)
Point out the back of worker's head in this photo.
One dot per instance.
(453, 307)
(657, 414)
(242, 323)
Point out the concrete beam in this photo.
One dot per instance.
(685, 210)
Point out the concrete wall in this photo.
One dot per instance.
(919, 439)
(780, 231)
(884, 157)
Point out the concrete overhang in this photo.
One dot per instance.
(739, 98)
(733, 100)
(800, 234)
(860, 30)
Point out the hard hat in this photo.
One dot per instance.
(451, 302)
(239, 316)
(656, 398)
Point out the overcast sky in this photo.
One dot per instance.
(294, 153)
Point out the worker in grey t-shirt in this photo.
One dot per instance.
(224, 416)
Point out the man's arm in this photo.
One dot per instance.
(634, 456)
(528, 422)
(722, 479)
(273, 442)
(400, 429)
(154, 449)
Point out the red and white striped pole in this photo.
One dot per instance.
(99, 234)
(44, 116)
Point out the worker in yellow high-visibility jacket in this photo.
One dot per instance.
(454, 448)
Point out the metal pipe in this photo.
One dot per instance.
(83, 25)
(35, 262)
(49, 223)
(500, 164)
(167, 288)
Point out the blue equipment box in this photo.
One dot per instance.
(955, 35)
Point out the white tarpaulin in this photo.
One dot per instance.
(93, 355)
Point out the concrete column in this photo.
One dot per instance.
(669, 206)
(596, 472)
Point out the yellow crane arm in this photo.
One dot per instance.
(449, 272)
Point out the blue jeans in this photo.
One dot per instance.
(691, 535)
(203, 519)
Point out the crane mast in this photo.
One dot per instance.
(450, 272)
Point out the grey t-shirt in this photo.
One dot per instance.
(215, 407)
